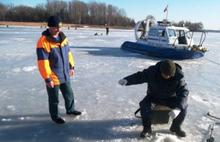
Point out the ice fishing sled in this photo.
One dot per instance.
(160, 114)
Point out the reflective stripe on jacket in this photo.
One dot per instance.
(54, 58)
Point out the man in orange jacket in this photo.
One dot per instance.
(56, 65)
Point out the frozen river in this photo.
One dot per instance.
(107, 107)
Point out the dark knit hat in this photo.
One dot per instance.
(168, 67)
(54, 21)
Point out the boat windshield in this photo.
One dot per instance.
(171, 33)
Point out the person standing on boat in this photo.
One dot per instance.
(166, 86)
(56, 65)
(143, 30)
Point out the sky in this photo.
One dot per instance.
(205, 11)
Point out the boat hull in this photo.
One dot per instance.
(161, 52)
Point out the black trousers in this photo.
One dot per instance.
(146, 110)
(53, 98)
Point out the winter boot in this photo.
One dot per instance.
(75, 112)
(58, 120)
(146, 131)
(177, 131)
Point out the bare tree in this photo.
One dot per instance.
(20, 13)
(93, 12)
(57, 7)
(74, 11)
(78, 12)
(41, 13)
(191, 26)
(3, 10)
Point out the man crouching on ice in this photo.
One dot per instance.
(166, 86)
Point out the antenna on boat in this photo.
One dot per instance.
(166, 10)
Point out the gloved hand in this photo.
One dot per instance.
(123, 82)
(174, 113)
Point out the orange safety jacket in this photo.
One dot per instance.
(54, 58)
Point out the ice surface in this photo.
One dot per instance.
(107, 107)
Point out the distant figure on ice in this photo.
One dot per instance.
(166, 86)
(56, 65)
(107, 29)
(96, 34)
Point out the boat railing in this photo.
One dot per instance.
(196, 47)
(202, 37)
(199, 46)
(179, 44)
(174, 41)
(191, 37)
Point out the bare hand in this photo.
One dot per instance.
(71, 73)
(50, 84)
(123, 82)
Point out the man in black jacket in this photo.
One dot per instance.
(166, 86)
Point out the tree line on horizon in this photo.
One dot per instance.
(191, 26)
(77, 12)
(73, 12)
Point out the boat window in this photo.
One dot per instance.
(189, 35)
(171, 32)
(162, 33)
(181, 33)
(153, 32)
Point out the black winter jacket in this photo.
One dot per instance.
(160, 88)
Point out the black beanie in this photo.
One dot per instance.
(54, 21)
(168, 67)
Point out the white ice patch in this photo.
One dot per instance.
(16, 70)
(128, 126)
(4, 42)
(84, 112)
(24, 118)
(204, 123)
(2, 93)
(141, 65)
(61, 107)
(19, 39)
(6, 119)
(200, 99)
(125, 128)
(83, 116)
(90, 49)
(132, 103)
(10, 108)
(166, 138)
(99, 96)
(25, 69)
(17, 55)
(29, 68)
